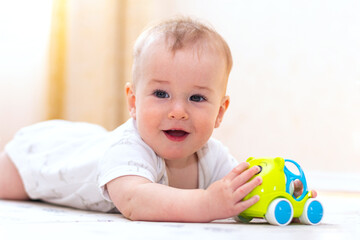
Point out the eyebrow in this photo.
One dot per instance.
(203, 88)
(199, 87)
(158, 81)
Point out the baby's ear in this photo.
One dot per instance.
(130, 95)
(223, 107)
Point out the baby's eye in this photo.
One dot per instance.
(160, 94)
(197, 98)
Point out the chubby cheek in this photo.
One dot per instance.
(148, 120)
(205, 124)
(145, 110)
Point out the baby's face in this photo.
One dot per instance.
(178, 99)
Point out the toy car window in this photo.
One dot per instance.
(292, 168)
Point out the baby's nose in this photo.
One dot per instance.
(178, 112)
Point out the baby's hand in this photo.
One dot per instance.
(225, 197)
(298, 189)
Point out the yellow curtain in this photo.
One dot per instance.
(91, 56)
(87, 62)
(57, 58)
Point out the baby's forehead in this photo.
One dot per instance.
(167, 44)
(180, 36)
(158, 55)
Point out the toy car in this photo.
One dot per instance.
(277, 203)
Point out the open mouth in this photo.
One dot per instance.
(176, 135)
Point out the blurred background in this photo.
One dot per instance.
(294, 87)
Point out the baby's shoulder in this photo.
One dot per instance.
(127, 140)
(127, 134)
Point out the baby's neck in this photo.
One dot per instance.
(183, 173)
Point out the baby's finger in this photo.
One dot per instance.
(243, 205)
(313, 194)
(245, 189)
(244, 177)
(237, 170)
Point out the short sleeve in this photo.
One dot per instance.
(129, 156)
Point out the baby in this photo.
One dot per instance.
(162, 164)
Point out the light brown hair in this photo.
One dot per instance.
(178, 33)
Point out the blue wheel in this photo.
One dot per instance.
(280, 212)
(313, 212)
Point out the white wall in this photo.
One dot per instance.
(24, 31)
(295, 85)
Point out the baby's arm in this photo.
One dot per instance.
(139, 199)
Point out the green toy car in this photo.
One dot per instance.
(277, 203)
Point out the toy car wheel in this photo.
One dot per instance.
(242, 219)
(280, 212)
(312, 213)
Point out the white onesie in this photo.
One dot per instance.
(70, 163)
